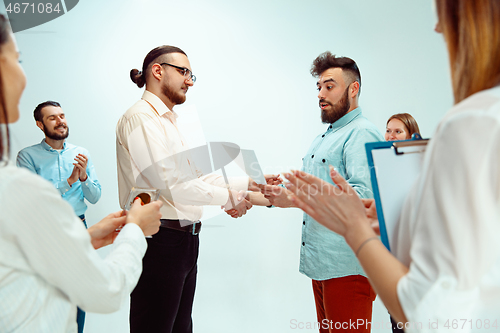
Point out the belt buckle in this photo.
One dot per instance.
(193, 231)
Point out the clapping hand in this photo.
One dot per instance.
(81, 164)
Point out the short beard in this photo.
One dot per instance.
(172, 96)
(338, 110)
(55, 136)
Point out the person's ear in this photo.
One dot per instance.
(157, 71)
(354, 89)
(39, 124)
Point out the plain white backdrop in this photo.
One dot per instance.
(252, 61)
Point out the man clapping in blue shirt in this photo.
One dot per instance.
(66, 166)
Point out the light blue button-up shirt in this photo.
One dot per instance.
(57, 166)
(324, 254)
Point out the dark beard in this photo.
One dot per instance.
(172, 96)
(338, 110)
(55, 136)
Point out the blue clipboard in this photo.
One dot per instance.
(394, 168)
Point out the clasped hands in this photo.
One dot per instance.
(239, 202)
(79, 169)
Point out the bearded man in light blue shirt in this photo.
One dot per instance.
(342, 292)
(68, 167)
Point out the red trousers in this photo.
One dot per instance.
(344, 304)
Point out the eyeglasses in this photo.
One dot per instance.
(185, 71)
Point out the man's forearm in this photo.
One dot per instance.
(258, 199)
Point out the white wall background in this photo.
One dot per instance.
(252, 60)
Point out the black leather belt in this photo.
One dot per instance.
(187, 226)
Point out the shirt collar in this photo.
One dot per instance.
(158, 105)
(346, 118)
(46, 146)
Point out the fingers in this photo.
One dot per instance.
(376, 227)
(309, 185)
(266, 189)
(340, 181)
(81, 168)
(119, 221)
(81, 160)
(272, 190)
(76, 172)
(157, 203)
(116, 214)
(368, 202)
(273, 179)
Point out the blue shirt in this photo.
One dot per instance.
(57, 166)
(324, 254)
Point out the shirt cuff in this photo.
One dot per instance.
(63, 187)
(221, 195)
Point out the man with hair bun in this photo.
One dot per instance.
(151, 152)
(341, 290)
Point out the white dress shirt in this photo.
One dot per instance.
(47, 263)
(448, 235)
(151, 153)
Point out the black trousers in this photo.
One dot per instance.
(163, 298)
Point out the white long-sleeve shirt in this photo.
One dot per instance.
(47, 263)
(152, 153)
(448, 235)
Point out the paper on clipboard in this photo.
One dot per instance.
(395, 166)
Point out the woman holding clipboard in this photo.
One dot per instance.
(444, 274)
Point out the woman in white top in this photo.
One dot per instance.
(48, 264)
(445, 274)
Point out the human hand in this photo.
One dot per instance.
(371, 214)
(277, 195)
(81, 163)
(147, 217)
(75, 175)
(337, 208)
(105, 231)
(270, 180)
(234, 199)
(240, 209)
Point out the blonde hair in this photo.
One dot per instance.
(471, 29)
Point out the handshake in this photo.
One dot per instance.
(240, 202)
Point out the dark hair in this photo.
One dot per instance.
(470, 29)
(4, 145)
(38, 110)
(327, 60)
(408, 120)
(139, 77)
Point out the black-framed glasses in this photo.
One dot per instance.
(185, 71)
